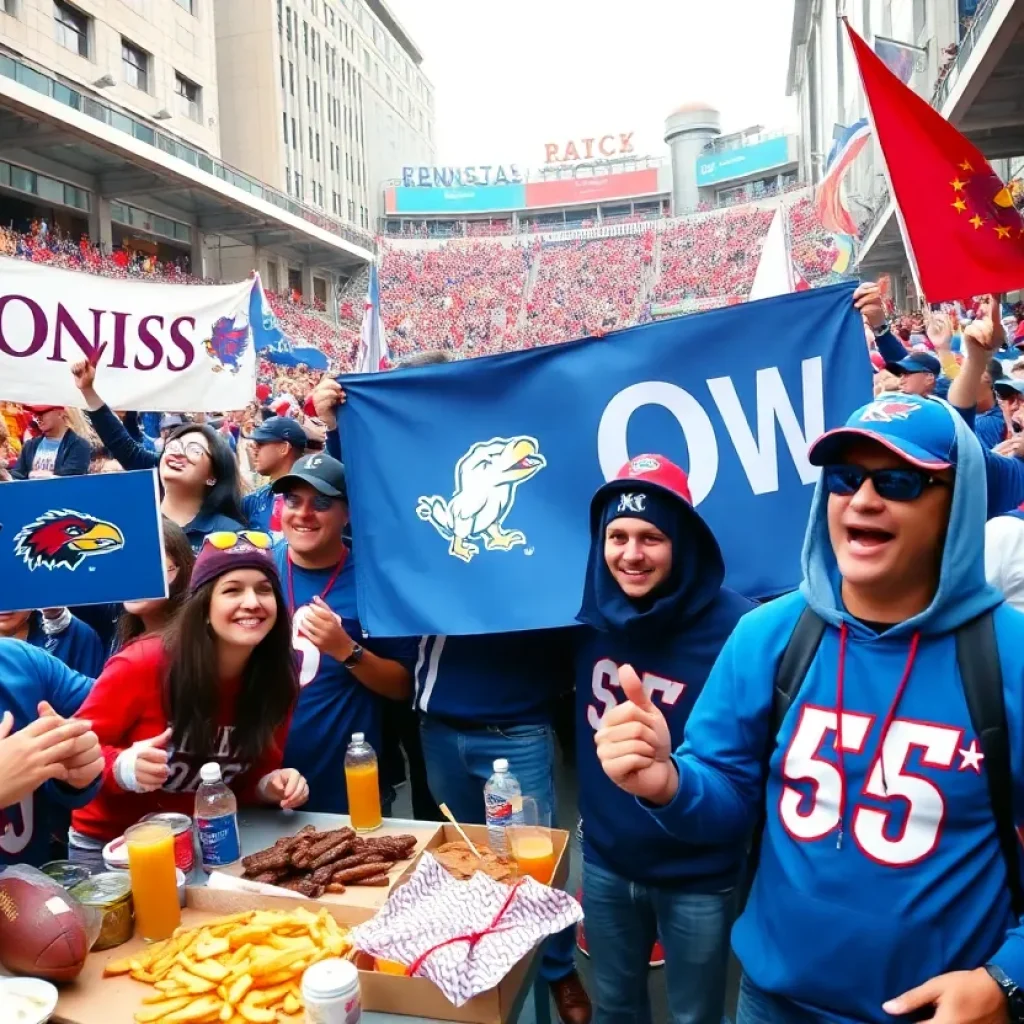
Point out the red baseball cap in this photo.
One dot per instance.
(38, 410)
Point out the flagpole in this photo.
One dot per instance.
(911, 259)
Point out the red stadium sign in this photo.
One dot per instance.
(594, 148)
(565, 191)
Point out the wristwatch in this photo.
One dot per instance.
(882, 328)
(1011, 990)
(355, 657)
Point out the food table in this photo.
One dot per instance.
(262, 828)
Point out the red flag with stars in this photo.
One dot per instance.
(962, 232)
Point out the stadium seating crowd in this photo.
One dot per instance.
(587, 286)
(476, 296)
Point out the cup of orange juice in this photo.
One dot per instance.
(154, 879)
(532, 844)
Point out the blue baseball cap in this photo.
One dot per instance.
(280, 428)
(918, 430)
(916, 362)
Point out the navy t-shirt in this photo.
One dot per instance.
(332, 703)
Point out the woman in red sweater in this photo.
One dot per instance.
(219, 685)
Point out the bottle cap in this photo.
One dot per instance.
(210, 773)
(501, 765)
(358, 737)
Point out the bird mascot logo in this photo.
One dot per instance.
(486, 480)
(228, 342)
(64, 539)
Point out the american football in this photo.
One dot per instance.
(41, 932)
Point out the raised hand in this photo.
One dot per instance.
(150, 761)
(634, 745)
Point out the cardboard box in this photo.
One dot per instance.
(93, 999)
(375, 897)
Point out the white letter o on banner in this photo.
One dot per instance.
(701, 443)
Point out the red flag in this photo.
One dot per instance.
(962, 232)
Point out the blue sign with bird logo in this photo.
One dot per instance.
(469, 483)
(78, 540)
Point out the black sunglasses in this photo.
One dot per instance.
(890, 484)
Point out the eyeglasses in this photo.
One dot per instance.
(890, 484)
(222, 540)
(320, 502)
(192, 450)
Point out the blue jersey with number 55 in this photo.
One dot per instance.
(332, 704)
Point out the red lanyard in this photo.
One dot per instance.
(326, 590)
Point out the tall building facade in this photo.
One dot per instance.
(324, 99)
(153, 58)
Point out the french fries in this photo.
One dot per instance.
(242, 969)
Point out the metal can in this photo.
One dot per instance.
(111, 893)
(66, 873)
(181, 826)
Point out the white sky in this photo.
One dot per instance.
(511, 75)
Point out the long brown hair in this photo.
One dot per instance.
(177, 548)
(270, 680)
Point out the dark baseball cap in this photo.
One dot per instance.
(322, 472)
(1008, 387)
(916, 362)
(280, 428)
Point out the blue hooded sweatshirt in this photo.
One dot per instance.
(28, 676)
(671, 641)
(911, 884)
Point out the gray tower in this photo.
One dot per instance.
(688, 129)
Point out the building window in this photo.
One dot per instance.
(283, 83)
(8, 7)
(294, 135)
(135, 64)
(288, 22)
(72, 28)
(284, 123)
(187, 5)
(188, 97)
(291, 78)
(352, 210)
(305, 38)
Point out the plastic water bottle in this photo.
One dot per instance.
(503, 805)
(216, 820)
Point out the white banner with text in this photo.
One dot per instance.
(157, 347)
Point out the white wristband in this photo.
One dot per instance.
(124, 771)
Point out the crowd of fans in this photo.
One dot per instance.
(587, 286)
(477, 296)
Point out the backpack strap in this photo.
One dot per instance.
(977, 656)
(793, 665)
(796, 659)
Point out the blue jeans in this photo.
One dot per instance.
(624, 918)
(758, 1007)
(459, 765)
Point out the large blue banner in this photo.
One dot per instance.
(470, 482)
(80, 540)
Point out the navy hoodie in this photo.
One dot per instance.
(672, 644)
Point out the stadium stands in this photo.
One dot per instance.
(480, 295)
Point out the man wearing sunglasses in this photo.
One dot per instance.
(844, 717)
(345, 677)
